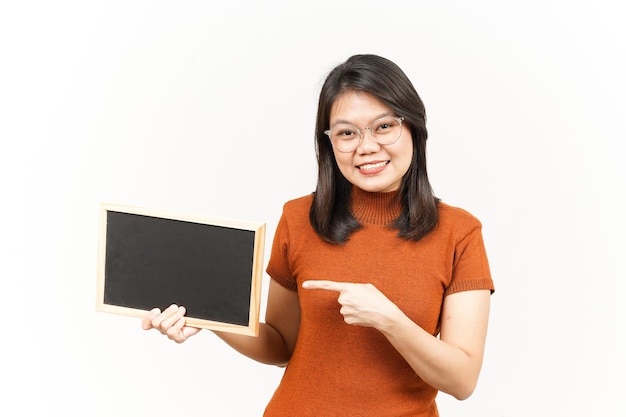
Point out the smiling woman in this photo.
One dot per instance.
(371, 165)
(380, 293)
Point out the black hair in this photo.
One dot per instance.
(330, 213)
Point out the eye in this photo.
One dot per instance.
(385, 126)
(344, 134)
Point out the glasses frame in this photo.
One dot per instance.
(399, 119)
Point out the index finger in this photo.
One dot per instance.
(324, 285)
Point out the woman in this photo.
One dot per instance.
(379, 293)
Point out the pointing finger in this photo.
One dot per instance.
(324, 285)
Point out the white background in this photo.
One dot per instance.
(209, 108)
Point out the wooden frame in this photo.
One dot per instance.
(153, 258)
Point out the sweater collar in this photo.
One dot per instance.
(375, 208)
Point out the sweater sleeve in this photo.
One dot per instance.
(471, 267)
(278, 267)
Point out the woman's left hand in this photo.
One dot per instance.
(361, 304)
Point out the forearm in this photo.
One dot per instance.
(268, 347)
(440, 364)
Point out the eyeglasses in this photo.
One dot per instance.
(385, 131)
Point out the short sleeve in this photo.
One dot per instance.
(278, 266)
(471, 267)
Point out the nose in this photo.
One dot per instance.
(367, 143)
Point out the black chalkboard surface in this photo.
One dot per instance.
(153, 258)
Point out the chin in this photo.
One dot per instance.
(376, 188)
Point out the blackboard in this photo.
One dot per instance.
(152, 258)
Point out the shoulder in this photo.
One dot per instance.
(298, 205)
(294, 223)
(296, 212)
(456, 218)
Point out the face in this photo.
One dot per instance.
(371, 167)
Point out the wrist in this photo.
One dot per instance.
(395, 321)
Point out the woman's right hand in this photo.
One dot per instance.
(170, 322)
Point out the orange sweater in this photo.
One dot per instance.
(341, 370)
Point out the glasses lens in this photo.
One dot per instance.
(387, 130)
(345, 138)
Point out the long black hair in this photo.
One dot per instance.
(330, 213)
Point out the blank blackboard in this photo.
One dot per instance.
(152, 258)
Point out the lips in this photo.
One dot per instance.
(372, 167)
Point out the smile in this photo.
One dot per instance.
(368, 167)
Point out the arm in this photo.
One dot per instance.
(277, 336)
(450, 363)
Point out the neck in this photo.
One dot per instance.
(375, 208)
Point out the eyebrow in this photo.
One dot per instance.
(346, 122)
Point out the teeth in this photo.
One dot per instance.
(373, 166)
